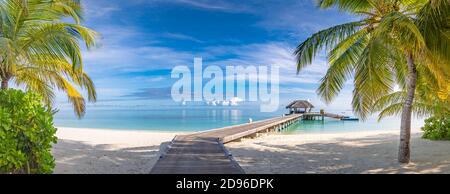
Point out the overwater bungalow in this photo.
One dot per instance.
(305, 108)
(300, 107)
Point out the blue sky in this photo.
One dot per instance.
(142, 40)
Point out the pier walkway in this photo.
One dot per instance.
(322, 115)
(204, 152)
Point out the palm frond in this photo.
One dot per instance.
(353, 6)
(434, 21)
(372, 77)
(342, 61)
(36, 83)
(42, 53)
(325, 39)
(402, 31)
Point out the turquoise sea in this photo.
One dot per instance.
(203, 118)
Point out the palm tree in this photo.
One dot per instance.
(41, 52)
(392, 44)
(430, 100)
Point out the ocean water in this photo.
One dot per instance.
(336, 126)
(191, 119)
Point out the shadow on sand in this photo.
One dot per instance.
(372, 154)
(75, 157)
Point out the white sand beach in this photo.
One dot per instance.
(339, 153)
(98, 151)
(94, 151)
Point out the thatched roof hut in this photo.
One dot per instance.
(299, 105)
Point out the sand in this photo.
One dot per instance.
(94, 151)
(339, 153)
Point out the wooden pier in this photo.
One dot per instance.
(204, 152)
(323, 115)
(304, 107)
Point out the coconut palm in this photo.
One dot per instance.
(392, 44)
(40, 49)
(430, 100)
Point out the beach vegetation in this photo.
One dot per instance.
(396, 53)
(437, 128)
(26, 134)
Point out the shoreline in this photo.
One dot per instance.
(123, 129)
(415, 130)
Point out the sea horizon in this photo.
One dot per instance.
(200, 118)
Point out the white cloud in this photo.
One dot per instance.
(214, 5)
(218, 5)
(181, 37)
(114, 55)
(272, 53)
(95, 10)
(130, 59)
(295, 90)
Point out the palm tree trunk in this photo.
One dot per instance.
(4, 85)
(4, 82)
(404, 154)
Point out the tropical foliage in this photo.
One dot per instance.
(437, 128)
(40, 49)
(397, 53)
(430, 99)
(26, 134)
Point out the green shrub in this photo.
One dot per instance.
(26, 134)
(437, 128)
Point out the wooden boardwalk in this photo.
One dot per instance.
(204, 152)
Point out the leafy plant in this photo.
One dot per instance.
(26, 134)
(437, 128)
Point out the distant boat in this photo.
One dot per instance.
(349, 119)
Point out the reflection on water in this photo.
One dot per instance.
(235, 115)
